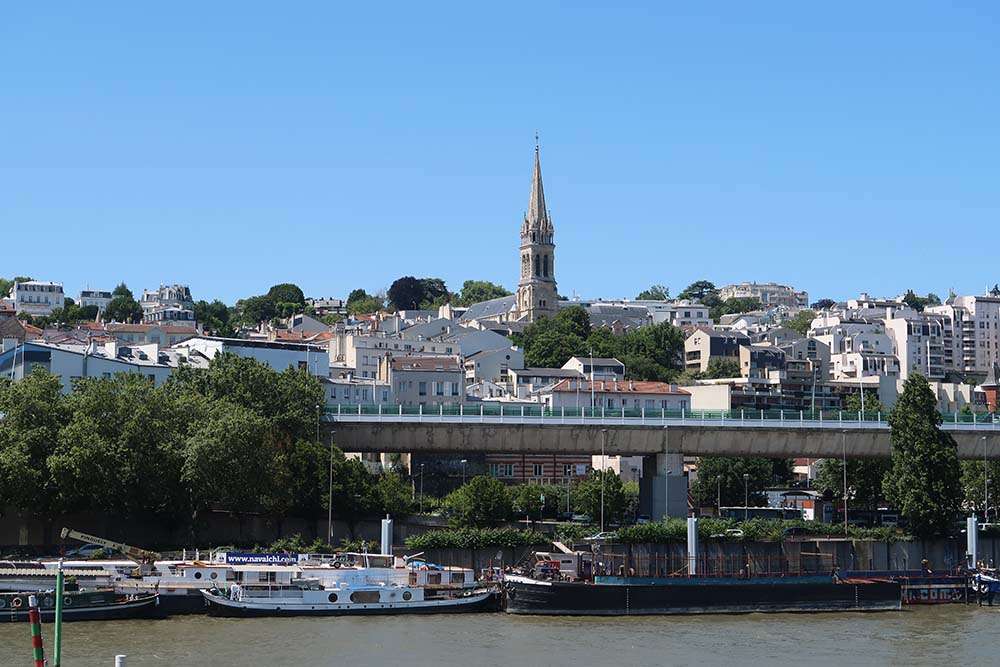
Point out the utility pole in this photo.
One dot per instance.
(329, 502)
(604, 438)
(843, 438)
(746, 496)
(421, 488)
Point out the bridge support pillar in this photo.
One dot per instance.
(653, 487)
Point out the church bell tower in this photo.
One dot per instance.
(536, 290)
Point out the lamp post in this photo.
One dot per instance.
(464, 461)
(718, 495)
(329, 498)
(843, 439)
(604, 438)
(746, 496)
(421, 488)
(986, 484)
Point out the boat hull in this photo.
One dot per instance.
(146, 607)
(477, 602)
(697, 596)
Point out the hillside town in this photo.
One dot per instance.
(745, 347)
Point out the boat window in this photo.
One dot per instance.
(214, 575)
(332, 597)
(407, 595)
(197, 575)
(364, 596)
(458, 577)
(434, 578)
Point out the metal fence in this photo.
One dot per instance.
(499, 413)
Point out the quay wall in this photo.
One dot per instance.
(212, 529)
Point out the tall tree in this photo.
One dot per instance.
(574, 320)
(587, 496)
(34, 411)
(405, 293)
(654, 293)
(699, 290)
(287, 293)
(924, 481)
(122, 450)
(718, 475)
(477, 291)
(801, 321)
(481, 502)
(864, 479)
(123, 308)
(823, 304)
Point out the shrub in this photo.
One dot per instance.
(475, 538)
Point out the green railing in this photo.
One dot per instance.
(541, 412)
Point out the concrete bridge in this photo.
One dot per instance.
(661, 439)
(700, 434)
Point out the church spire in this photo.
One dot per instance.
(537, 216)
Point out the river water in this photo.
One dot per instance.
(953, 634)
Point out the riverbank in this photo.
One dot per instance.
(951, 634)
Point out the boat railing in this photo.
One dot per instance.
(658, 565)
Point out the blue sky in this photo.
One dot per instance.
(338, 145)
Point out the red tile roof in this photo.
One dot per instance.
(621, 387)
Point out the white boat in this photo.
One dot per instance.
(351, 584)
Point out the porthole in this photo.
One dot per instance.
(214, 575)
(67, 600)
(3, 603)
(332, 597)
(197, 575)
(407, 595)
(47, 601)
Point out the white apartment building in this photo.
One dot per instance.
(614, 395)
(37, 297)
(493, 365)
(73, 361)
(769, 294)
(424, 381)
(177, 296)
(278, 356)
(93, 297)
(970, 332)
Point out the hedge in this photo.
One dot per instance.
(754, 530)
(475, 538)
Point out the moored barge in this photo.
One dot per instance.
(627, 596)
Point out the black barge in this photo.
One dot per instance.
(627, 596)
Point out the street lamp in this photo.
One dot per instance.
(843, 439)
(746, 496)
(329, 500)
(604, 439)
(986, 484)
(421, 488)
(718, 495)
(464, 461)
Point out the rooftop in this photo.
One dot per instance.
(623, 387)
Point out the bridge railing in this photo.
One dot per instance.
(500, 413)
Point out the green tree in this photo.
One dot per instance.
(482, 502)
(364, 306)
(122, 290)
(528, 501)
(722, 368)
(700, 290)
(574, 320)
(435, 293)
(724, 475)
(801, 322)
(287, 293)
(654, 293)
(256, 309)
(852, 403)
(355, 495)
(405, 293)
(394, 494)
(734, 306)
(587, 496)
(864, 479)
(34, 411)
(477, 291)
(974, 486)
(123, 308)
(823, 304)
(214, 317)
(924, 481)
(227, 462)
(123, 448)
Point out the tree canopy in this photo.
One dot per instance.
(924, 480)
(409, 293)
(477, 291)
(481, 502)
(654, 293)
(718, 475)
(801, 321)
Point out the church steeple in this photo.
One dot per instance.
(536, 292)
